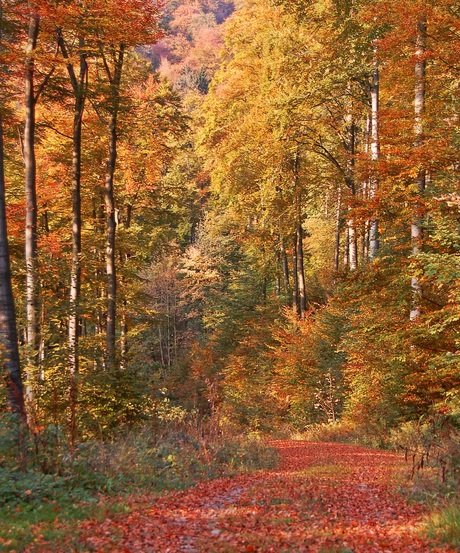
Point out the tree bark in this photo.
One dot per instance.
(295, 278)
(31, 204)
(301, 272)
(9, 349)
(338, 228)
(419, 108)
(352, 242)
(375, 153)
(300, 265)
(110, 257)
(79, 90)
(353, 245)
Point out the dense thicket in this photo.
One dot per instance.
(271, 240)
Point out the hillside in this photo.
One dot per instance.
(188, 54)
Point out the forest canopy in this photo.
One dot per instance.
(246, 213)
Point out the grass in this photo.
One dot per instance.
(444, 525)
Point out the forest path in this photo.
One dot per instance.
(324, 497)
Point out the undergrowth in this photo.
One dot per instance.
(44, 484)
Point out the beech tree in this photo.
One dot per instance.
(112, 43)
(8, 331)
(9, 348)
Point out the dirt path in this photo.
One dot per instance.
(323, 498)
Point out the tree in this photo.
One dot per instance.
(8, 331)
(9, 349)
(112, 45)
(79, 85)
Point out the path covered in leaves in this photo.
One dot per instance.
(323, 497)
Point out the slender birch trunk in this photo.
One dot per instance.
(31, 205)
(375, 153)
(419, 107)
(353, 245)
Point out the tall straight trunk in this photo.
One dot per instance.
(110, 245)
(352, 245)
(284, 265)
(350, 182)
(295, 277)
(300, 267)
(79, 90)
(338, 228)
(301, 272)
(31, 204)
(75, 269)
(346, 248)
(110, 257)
(419, 108)
(8, 330)
(124, 258)
(278, 275)
(298, 290)
(375, 153)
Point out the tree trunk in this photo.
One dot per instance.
(346, 249)
(285, 266)
(419, 107)
(375, 152)
(353, 245)
(8, 330)
(350, 182)
(301, 272)
(111, 212)
(110, 246)
(295, 278)
(79, 90)
(338, 228)
(31, 205)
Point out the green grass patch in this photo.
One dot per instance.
(325, 471)
(444, 525)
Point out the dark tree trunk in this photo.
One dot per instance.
(115, 81)
(295, 278)
(8, 330)
(299, 269)
(301, 273)
(338, 228)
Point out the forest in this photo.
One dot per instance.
(240, 217)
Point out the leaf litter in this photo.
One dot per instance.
(322, 498)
